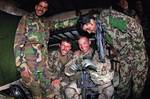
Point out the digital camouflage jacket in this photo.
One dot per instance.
(101, 76)
(127, 38)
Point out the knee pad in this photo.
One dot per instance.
(109, 91)
(71, 93)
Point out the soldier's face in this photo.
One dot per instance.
(124, 4)
(65, 47)
(41, 8)
(90, 27)
(84, 44)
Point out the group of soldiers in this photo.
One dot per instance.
(54, 75)
(65, 65)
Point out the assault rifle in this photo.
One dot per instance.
(88, 87)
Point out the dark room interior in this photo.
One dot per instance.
(12, 10)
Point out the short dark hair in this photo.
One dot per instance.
(65, 40)
(42, 1)
(83, 19)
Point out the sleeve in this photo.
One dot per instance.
(72, 66)
(47, 29)
(104, 73)
(19, 43)
(53, 65)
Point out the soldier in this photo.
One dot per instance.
(123, 6)
(101, 77)
(57, 61)
(30, 49)
(127, 41)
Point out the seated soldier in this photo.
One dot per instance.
(101, 77)
(57, 61)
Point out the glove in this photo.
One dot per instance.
(74, 67)
(87, 63)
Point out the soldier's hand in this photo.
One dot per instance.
(104, 66)
(77, 53)
(87, 63)
(25, 72)
(56, 83)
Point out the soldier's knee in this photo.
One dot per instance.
(108, 91)
(71, 93)
(37, 97)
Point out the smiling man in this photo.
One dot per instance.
(101, 77)
(41, 8)
(57, 61)
(127, 46)
(30, 50)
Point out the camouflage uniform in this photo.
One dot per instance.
(127, 38)
(56, 68)
(30, 49)
(101, 77)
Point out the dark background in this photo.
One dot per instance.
(8, 25)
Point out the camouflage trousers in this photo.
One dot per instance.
(73, 92)
(132, 80)
(37, 89)
(58, 91)
(38, 84)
